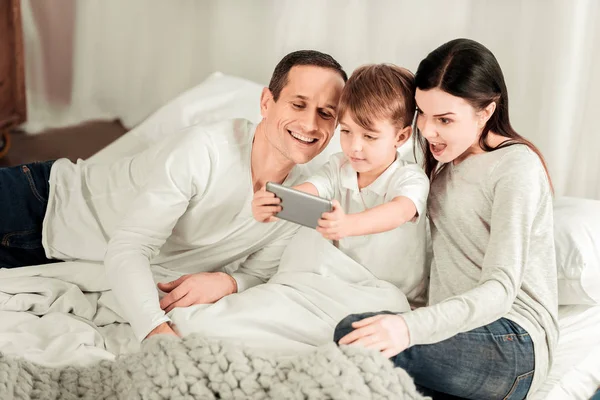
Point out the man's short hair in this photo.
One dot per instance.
(301, 57)
(379, 92)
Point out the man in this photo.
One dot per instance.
(184, 203)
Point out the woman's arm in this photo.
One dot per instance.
(519, 190)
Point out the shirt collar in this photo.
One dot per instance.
(349, 178)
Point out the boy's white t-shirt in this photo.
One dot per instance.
(397, 256)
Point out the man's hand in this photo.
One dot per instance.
(265, 205)
(200, 288)
(336, 224)
(386, 333)
(161, 329)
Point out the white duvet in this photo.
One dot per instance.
(64, 313)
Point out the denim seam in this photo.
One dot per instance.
(494, 335)
(512, 335)
(6, 238)
(27, 173)
(516, 384)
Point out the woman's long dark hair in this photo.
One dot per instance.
(465, 68)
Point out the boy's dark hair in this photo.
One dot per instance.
(301, 57)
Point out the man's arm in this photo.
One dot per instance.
(148, 224)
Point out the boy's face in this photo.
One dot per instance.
(371, 151)
(301, 122)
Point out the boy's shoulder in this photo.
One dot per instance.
(404, 168)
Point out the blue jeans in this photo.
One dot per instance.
(24, 194)
(495, 361)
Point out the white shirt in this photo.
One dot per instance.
(396, 256)
(184, 204)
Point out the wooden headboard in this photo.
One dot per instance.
(13, 108)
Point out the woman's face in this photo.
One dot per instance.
(450, 124)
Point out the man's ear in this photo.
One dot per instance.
(486, 114)
(265, 101)
(403, 135)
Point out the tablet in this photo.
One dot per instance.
(299, 207)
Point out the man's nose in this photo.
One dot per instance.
(310, 121)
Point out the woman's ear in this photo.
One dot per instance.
(486, 114)
(265, 99)
(402, 135)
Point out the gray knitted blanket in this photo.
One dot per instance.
(196, 368)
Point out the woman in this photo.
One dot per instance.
(491, 325)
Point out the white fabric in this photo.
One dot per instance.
(96, 59)
(396, 256)
(575, 374)
(159, 207)
(61, 314)
(577, 243)
(315, 287)
(218, 98)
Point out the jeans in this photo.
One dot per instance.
(495, 361)
(24, 192)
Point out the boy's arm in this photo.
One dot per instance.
(408, 193)
(384, 217)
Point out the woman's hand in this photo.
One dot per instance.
(265, 205)
(387, 333)
(336, 224)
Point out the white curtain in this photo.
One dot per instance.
(123, 59)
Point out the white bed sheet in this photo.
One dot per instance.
(575, 374)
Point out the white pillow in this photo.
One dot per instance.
(577, 242)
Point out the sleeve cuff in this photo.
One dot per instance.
(245, 281)
(319, 184)
(143, 331)
(415, 336)
(419, 206)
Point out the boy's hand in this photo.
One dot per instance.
(336, 224)
(265, 205)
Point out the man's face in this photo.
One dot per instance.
(301, 122)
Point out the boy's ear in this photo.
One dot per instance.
(265, 100)
(403, 135)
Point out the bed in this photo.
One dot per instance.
(63, 314)
(576, 370)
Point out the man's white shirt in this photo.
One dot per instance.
(184, 204)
